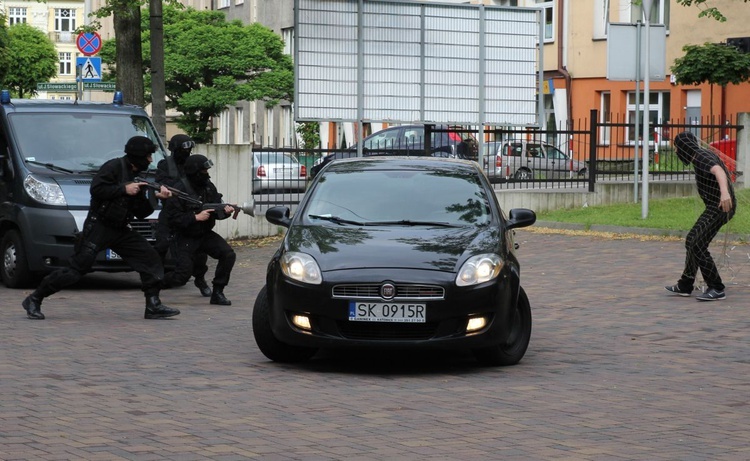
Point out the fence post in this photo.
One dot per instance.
(593, 131)
(743, 148)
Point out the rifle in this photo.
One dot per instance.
(248, 207)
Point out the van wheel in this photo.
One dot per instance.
(15, 269)
(523, 173)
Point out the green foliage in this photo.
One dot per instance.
(5, 63)
(713, 63)
(706, 11)
(33, 56)
(210, 64)
(310, 132)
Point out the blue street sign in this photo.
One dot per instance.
(89, 43)
(90, 68)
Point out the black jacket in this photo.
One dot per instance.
(110, 204)
(181, 214)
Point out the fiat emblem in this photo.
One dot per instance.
(387, 291)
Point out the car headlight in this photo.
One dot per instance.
(301, 267)
(48, 193)
(479, 269)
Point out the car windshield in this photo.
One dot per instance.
(406, 197)
(78, 142)
(267, 158)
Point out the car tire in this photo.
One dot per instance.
(267, 342)
(512, 351)
(522, 173)
(15, 268)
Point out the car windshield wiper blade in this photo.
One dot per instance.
(51, 166)
(409, 222)
(335, 219)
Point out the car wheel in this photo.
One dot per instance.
(582, 173)
(523, 173)
(511, 351)
(267, 342)
(15, 269)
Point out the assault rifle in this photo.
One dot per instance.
(248, 207)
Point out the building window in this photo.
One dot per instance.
(239, 125)
(658, 112)
(601, 18)
(66, 63)
(65, 20)
(288, 36)
(506, 2)
(548, 16)
(223, 3)
(605, 117)
(659, 13)
(16, 15)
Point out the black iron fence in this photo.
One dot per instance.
(579, 156)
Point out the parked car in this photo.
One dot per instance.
(429, 263)
(528, 160)
(409, 140)
(277, 171)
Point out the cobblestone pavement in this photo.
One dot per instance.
(616, 370)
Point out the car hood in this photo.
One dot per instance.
(403, 247)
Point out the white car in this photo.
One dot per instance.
(278, 171)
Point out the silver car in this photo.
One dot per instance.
(278, 171)
(529, 160)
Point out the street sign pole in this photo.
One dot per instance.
(646, 112)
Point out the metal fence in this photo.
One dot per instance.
(583, 154)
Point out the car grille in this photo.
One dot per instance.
(372, 291)
(145, 227)
(387, 331)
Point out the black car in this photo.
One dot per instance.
(409, 140)
(395, 252)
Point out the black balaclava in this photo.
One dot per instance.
(686, 146)
(138, 150)
(196, 170)
(181, 145)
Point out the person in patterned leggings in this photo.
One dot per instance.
(717, 193)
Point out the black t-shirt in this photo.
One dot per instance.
(708, 185)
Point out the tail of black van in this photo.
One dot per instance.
(49, 153)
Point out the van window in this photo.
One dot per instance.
(78, 142)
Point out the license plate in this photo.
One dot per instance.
(360, 311)
(111, 255)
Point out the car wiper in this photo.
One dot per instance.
(51, 166)
(335, 219)
(409, 222)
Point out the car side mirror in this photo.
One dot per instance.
(520, 217)
(279, 215)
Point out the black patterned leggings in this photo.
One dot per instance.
(696, 243)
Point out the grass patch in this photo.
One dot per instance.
(677, 214)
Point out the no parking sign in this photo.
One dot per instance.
(89, 43)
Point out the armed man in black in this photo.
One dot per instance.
(170, 172)
(192, 227)
(115, 200)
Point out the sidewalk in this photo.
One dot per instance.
(616, 370)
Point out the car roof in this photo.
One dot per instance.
(406, 163)
(56, 105)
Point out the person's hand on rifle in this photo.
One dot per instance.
(203, 215)
(164, 193)
(228, 209)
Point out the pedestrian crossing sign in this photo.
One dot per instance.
(89, 68)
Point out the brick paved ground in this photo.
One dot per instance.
(616, 370)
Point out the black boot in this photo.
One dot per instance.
(156, 310)
(217, 297)
(203, 286)
(33, 306)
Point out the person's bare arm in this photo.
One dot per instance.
(725, 203)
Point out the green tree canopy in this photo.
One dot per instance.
(33, 57)
(210, 64)
(713, 63)
(4, 52)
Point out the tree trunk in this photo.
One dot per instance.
(158, 99)
(129, 60)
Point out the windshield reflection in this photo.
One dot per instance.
(427, 194)
(78, 142)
